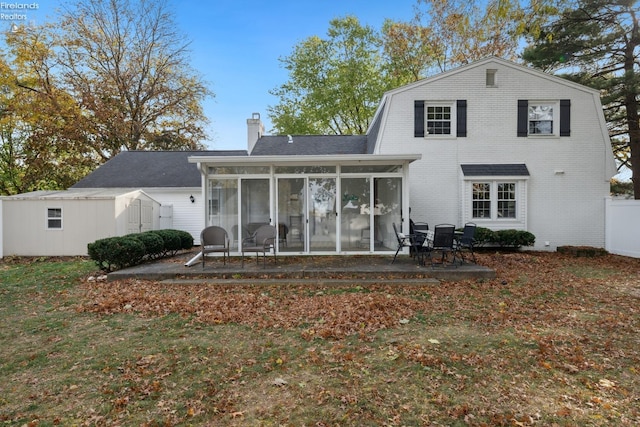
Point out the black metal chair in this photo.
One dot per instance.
(404, 241)
(261, 241)
(418, 230)
(467, 241)
(214, 239)
(443, 242)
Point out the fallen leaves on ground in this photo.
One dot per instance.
(531, 288)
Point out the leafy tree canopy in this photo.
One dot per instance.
(110, 75)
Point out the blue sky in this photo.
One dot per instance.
(235, 45)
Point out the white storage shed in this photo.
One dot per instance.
(62, 223)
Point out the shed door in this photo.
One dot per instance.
(146, 216)
(140, 216)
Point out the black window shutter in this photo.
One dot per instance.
(461, 118)
(565, 117)
(523, 117)
(418, 129)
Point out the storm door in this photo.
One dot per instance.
(255, 205)
(291, 210)
(322, 215)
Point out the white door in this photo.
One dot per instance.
(166, 217)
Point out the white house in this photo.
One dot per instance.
(503, 146)
(494, 143)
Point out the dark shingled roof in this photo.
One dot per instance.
(140, 169)
(309, 145)
(518, 169)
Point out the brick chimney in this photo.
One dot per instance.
(255, 130)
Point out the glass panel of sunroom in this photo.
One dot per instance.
(322, 214)
(222, 209)
(255, 205)
(355, 223)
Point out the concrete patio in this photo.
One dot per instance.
(363, 268)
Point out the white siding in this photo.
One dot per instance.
(187, 216)
(83, 221)
(569, 176)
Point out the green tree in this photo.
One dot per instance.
(109, 75)
(127, 66)
(41, 146)
(598, 44)
(334, 84)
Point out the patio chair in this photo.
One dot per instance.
(443, 242)
(466, 241)
(418, 229)
(404, 241)
(262, 241)
(214, 239)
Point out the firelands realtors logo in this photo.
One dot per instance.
(17, 12)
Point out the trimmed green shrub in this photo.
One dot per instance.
(186, 239)
(504, 238)
(114, 253)
(153, 244)
(514, 238)
(171, 239)
(484, 236)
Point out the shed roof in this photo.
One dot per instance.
(76, 194)
(150, 169)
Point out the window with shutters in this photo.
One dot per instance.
(438, 119)
(544, 118)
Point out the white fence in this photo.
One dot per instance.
(623, 227)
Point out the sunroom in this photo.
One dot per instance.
(321, 204)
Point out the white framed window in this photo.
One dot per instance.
(439, 119)
(54, 218)
(495, 200)
(541, 118)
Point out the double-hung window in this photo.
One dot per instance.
(440, 119)
(541, 119)
(54, 218)
(544, 118)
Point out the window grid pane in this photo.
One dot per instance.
(439, 120)
(54, 218)
(506, 200)
(540, 119)
(481, 200)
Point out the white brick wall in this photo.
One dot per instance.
(569, 176)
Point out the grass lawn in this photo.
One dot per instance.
(554, 340)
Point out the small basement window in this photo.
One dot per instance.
(54, 218)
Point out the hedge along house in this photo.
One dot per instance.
(325, 194)
(62, 223)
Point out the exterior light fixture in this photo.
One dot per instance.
(193, 199)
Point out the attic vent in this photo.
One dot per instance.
(492, 78)
(289, 139)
